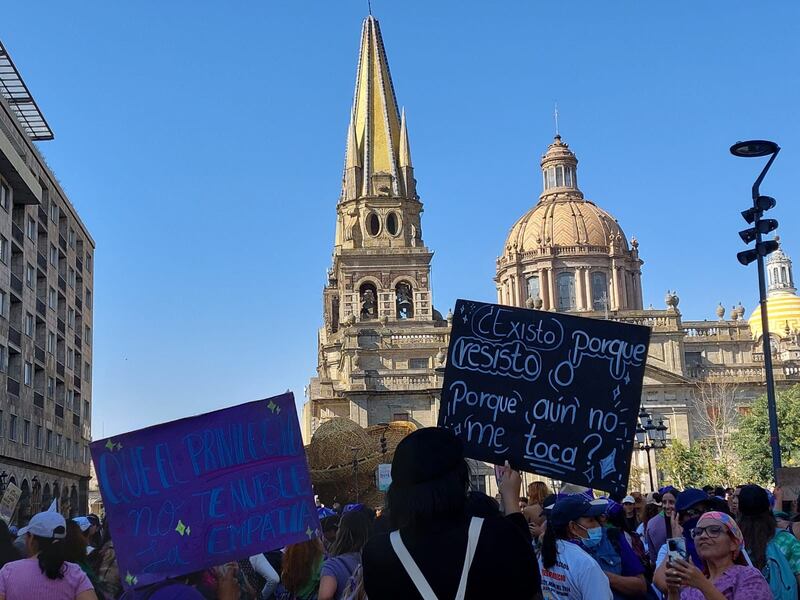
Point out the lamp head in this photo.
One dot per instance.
(754, 148)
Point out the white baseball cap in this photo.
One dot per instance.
(629, 500)
(82, 522)
(47, 525)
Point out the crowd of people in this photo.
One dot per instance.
(437, 539)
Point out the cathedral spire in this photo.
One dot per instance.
(375, 132)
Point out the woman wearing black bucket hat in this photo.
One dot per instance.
(425, 556)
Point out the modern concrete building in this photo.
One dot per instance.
(46, 286)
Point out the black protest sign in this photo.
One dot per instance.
(553, 394)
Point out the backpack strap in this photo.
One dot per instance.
(475, 526)
(417, 578)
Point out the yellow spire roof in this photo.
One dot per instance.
(375, 128)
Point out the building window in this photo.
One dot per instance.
(392, 223)
(30, 275)
(71, 317)
(29, 324)
(417, 363)
(88, 299)
(53, 255)
(71, 237)
(52, 298)
(3, 358)
(70, 358)
(71, 277)
(87, 335)
(39, 437)
(568, 177)
(88, 262)
(599, 291)
(559, 176)
(59, 446)
(12, 427)
(3, 249)
(551, 178)
(87, 371)
(30, 226)
(533, 287)
(2, 425)
(70, 401)
(26, 432)
(51, 342)
(27, 375)
(477, 483)
(401, 416)
(5, 196)
(54, 212)
(566, 291)
(51, 387)
(68, 449)
(373, 224)
(86, 410)
(3, 300)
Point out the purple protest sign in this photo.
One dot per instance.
(202, 491)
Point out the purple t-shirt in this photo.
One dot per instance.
(24, 580)
(738, 582)
(631, 565)
(341, 567)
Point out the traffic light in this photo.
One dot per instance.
(759, 227)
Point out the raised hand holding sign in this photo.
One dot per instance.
(553, 394)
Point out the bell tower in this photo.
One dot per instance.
(382, 338)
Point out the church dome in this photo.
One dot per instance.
(566, 253)
(783, 303)
(567, 222)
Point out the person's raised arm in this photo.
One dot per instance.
(510, 485)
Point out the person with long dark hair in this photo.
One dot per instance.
(45, 574)
(438, 549)
(569, 572)
(660, 527)
(766, 544)
(8, 552)
(355, 528)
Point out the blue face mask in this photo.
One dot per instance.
(595, 536)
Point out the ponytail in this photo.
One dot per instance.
(51, 556)
(549, 547)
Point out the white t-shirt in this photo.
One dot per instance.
(575, 576)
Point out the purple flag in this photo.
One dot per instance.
(201, 491)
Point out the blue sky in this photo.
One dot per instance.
(202, 143)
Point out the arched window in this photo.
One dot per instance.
(599, 291)
(533, 287)
(373, 224)
(369, 302)
(404, 300)
(783, 275)
(551, 177)
(46, 497)
(568, 177)
(559, 176)
(566, 291)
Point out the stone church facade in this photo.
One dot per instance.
(382, 346)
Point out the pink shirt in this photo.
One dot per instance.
(738, 582)
(24, 580)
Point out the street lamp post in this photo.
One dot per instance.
(650, 437)
(756, 149)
